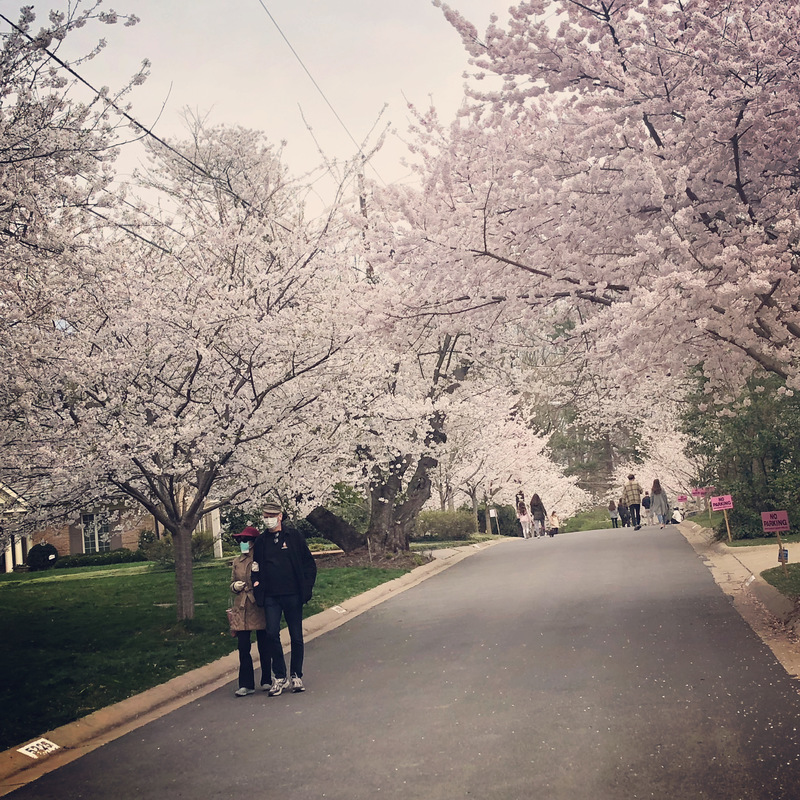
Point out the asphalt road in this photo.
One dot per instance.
(595, 665)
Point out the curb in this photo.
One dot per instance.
(732, 574)
(78, 738)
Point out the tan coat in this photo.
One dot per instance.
(246, 616)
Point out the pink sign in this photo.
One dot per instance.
(681, 498)
(698, 492)
(721, 502)
(772, 521)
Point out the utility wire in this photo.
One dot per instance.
(316, 85)
(311, 77)
(110, 103)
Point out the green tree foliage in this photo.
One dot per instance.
(751, 448)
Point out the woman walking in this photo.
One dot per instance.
(246, 616)
(539, 515)
(612, 510)
(660, 504)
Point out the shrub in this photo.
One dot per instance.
(506, 520)
(41, 556)
(121, 556)
(318, 543)
(163, 553)
(160, 551)
(202, 546)
(146, 537)
(445, 526)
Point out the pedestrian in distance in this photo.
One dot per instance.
(245, 617)
(647, 502)
(614, 513)
(524, 518)
(284, 575)
(539, 515)
(555, 523)
(624, 514)
(632, 493)
(660, 504)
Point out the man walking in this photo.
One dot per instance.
(632, 494)
(283, 573)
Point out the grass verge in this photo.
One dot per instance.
(423, 545)
(83, 639)
(788, 584)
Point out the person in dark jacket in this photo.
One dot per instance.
(539, 515)
(284, 572)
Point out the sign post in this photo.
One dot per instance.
(775, 522)
(702, 493)
(722, 503)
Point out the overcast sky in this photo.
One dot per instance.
(229, 61)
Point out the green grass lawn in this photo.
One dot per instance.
(77, 640)
(789, 584)
(587, 521)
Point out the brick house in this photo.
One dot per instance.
(95, 530)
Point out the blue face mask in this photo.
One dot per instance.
(244, 547)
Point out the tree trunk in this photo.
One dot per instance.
(473, 496)
(383, 492)
(184, 581)
(336, 529)
(417, 494)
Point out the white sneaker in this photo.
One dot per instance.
(242, 692)
(278, 685)
(297, 684)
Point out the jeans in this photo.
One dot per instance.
(614, 522)
(636, 519)
(247, 678)
(291, 607)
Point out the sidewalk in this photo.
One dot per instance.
(84, 735)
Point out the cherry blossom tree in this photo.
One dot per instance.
(180, 365)
(636, 171)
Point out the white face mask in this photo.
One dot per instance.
(244, 547)
(271, 522)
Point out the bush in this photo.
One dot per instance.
(41, 556)
(318, 543)
(163, 553)
(445, 526)
(506, 520)
(121, 556)
(146, 537)
(202, 546)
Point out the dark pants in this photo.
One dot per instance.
(614, 522)
(292, 609)
(247, 678)
(634, 511)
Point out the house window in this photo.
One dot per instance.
(95, 534)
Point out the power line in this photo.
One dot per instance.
(311, 77)
(316, 85)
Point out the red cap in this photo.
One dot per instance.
(248, 533)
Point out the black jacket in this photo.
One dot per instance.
(303, 564)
